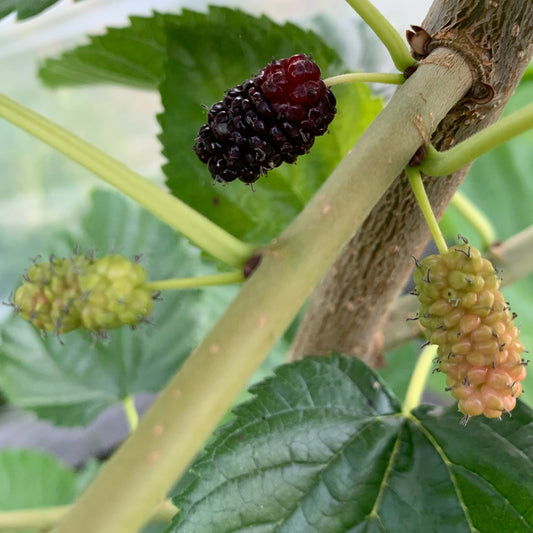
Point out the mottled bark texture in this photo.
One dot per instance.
(349, 307)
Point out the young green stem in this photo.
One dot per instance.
(369, 77)
(415, 179)
(45, 518)
(442, 163)
(418, 379)
(386, 33)
(478, 219)
(132, 416)
(224, 278)
(177, 214)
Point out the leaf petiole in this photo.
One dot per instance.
(177, 214)
(442, 163)
(132, 416)
(386, 33)
(418, 379)
(476, 217)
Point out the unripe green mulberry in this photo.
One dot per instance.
(49, 298)
(114, 294)
(466, 315)
(80, 291)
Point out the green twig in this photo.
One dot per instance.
(223, 278)
(177, 214)
(442, 163)
(130, 410)
(386, 33)
(418, 379)
(45, 518)
(423, 201)
(369, 77)
(476, 217)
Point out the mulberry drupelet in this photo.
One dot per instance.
(268, 120)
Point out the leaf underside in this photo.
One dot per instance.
(323, 447)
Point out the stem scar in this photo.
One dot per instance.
(158, 429)
(152, 457)
(176, 393)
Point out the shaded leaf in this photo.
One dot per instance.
(233, 47)
(71, 384)
(25, 8)
(323, 447)
(34, 479)
(133, 56)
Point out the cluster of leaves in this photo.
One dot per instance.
(323, 444)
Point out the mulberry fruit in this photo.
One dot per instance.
(80, 291)
(267, 120)
(114, 294)
(466, 315)
(49, 298)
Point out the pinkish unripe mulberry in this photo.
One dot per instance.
(466, 315)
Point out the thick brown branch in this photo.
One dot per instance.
(348, 309)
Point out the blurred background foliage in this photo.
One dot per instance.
(43, 194)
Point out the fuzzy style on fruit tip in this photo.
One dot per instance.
(269, 119)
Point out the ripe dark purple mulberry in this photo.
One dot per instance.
(270, 119)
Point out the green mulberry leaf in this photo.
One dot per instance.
(233, 47)
(324, 447)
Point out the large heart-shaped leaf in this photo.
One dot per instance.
(324, 447)
(214, 52)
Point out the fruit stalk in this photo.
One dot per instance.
(189, 407)
(223, 278)
(362, 77)
(423, 201)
